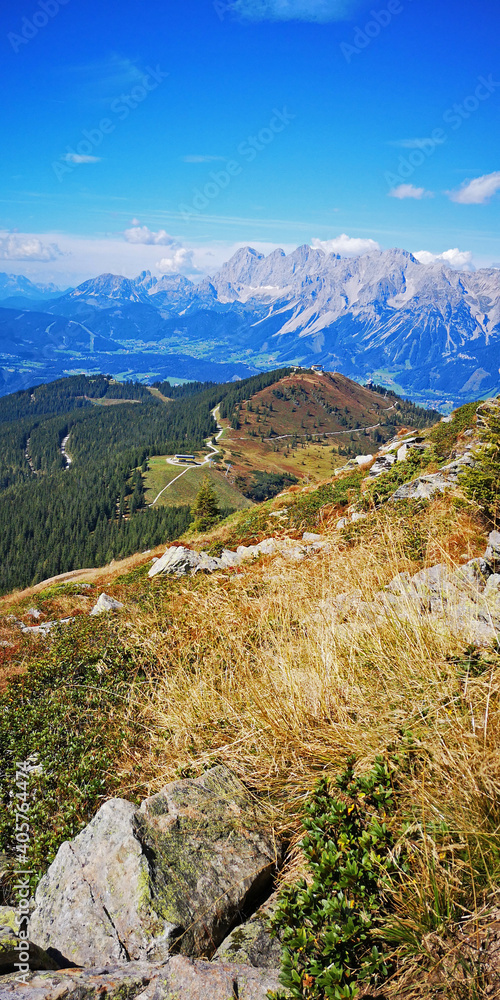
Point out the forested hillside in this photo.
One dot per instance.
(83, 505)
(58, 513)
(72, 458)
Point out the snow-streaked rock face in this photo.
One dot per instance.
(437, 327)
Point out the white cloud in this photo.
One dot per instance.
(461, 260)
(202, 159)
(21, 246)
(409, 191)
(78, 158)
(141, 234)
(321, 11)
(179, 261)
(478, 191)
(347, 246)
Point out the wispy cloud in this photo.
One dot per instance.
(478, 191)
(417, 143)
(321, 11)
(202, 159)
(22, 246)
(347, 246)
(409, 191)
(460, 260)
(96, 82)
(79, 158)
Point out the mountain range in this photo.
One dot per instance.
(429, 331)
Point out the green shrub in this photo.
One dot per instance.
(482, 482)
(66, 714)
(327, 922)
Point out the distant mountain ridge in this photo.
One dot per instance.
(430, 330)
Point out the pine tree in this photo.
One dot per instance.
(205, 510)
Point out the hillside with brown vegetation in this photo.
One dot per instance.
(306, 424)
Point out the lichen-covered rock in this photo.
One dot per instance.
(10, 951)
(473, 576)
(213, 856)
(251, 943)
(178, 978)
(93, 905)
(174, 874)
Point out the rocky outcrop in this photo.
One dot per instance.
(179, 978)
(425, 487)
(466, 598)
(179, 560)
(176, 874)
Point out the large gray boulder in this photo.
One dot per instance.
(174, 874)
(177, 560)
(178, 978)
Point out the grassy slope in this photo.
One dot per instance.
(255, 669)
(185, 489)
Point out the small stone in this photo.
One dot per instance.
(106, 603)
(492, 588)
(10, 945)
(492, 554)
(310, 536)
(474, 574)
(251, 943)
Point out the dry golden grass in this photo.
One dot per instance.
(259, 670)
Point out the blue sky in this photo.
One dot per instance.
(163, 135)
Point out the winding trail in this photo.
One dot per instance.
(64, 453)
(186, 468)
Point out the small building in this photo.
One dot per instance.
(184, 458)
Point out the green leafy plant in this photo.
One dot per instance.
(328, 921)
(482, 482)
